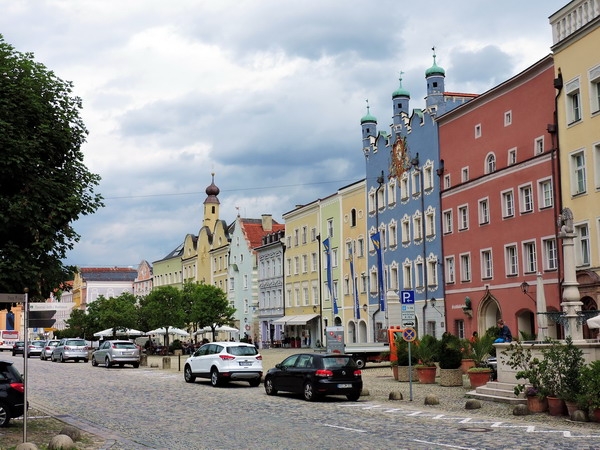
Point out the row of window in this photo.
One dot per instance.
(578, 168)
(545, 195)
(574, 104)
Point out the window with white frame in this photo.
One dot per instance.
(391, 192)
(305, 296)
(405, 230)
(464, 174)
(348, 249)
(463, 217)
(393, 234)
(526, 198)
(313, 234)
(578, 179)
(486, 264)
(304, 234)
(477, 131)
(335, 288)
(407, 275)
(360, 247)
(507, 118)
(573, 99)
(529, 257)
(364, 282)
(381, 199)
(419, 274)
(329, 227)
(296, 265)
(416, 182)
(314, 262)
(373, 282)
(428, 176)
(404, 191)
(545, 193)
(484, 211)
(297, 297)
(447, 183)
(231, 283)
(288, 269)
(288, 298)
(383, 236)
(304, 263)
(372, 202)
(429, 222)
(450, 271)
(550, 254)
(594, 77)
(296, 237)
(315, 295)
(334, 257)
(582, 251)
(394, 276)
(465, 267)
(512, 156)
(447, 220)
(417, 226)
(490, 163)
(597, 164)
(508, 204)
(538, 145)
(347, 290)
(459, 328)
(432, 275)
(511, 259)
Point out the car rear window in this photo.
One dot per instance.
(124, 345)
(38, 343)
(337, 362)
(9, 372)
(242, 350)
(76, 342)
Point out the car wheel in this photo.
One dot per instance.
(62, 358)
(309, 393)
(269, 389)
(85, 360)
(42, 358)
(254, 383)
(121, 365)
(214, 378)
(94, 362)
(353, 397)
(135, 365)
(107, 363)
(188, 376)
(4, 415)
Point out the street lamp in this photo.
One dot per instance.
(525, 290)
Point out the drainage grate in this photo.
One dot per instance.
(476, 430)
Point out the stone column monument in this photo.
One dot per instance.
(571, 304)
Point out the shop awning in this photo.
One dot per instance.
(301, 319)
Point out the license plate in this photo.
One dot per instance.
(245, 363)
(344, 386)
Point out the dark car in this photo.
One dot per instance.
(314, 375)
(12, 393)
(18, 348)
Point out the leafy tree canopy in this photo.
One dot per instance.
(44, 185)
(207, 306)
(163, 307)
(118, 313)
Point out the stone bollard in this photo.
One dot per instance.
(143, 360)
(166, 362)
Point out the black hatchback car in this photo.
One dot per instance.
(314, 375)
(12, 393)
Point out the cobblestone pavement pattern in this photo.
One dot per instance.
(160, 396)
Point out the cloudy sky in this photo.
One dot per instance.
(267, 94)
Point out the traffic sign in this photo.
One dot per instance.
(407, 297)
(53, 306)
(409, 334)
(408, 307)
(41, 319)
(408, 315)
(12, 298)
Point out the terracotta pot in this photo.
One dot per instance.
(596, 414)
(556, 406)
(426, 375)
(537, 404)
(395, 372)
(466, 364)
(479, 378)
(571, 407)
(451, 377)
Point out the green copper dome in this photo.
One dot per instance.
(435, 69)
(368, 117)
(401, 92)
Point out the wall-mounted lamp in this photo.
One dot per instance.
(525, 290)
(365, 307)
(432, 302)
(440, 170)
(315, 308)
(467, 309)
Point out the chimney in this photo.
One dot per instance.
(267, 222)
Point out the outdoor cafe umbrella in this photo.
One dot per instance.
(218, 328)
(171, 330)
(126, 332)
(594, 322)
(540, 300)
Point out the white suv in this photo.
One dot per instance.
(225, 361)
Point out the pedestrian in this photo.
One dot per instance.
(505, 334)
(474, 337)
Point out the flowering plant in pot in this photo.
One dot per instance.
(426, 351)
(481, 373)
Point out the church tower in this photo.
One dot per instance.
(435, 77)
(211, 205)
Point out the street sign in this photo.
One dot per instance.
(408, 316)
(12, 298)
(54, 306)
(409, 334)
(407, 297)
(41, 319)
(408, 323)
(408, 307)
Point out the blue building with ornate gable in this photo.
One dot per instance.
(403, 173)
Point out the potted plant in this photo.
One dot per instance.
(481, 347)
(450, 360)
(401, 363)
(589, 397)
(427, 350)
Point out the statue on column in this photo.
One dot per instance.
(565, 222)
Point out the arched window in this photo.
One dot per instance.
(353, 217)
(490, 163)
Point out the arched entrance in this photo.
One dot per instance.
(488, 314)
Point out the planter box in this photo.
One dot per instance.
(426, 375)
(466, 364)
(451, 377)
(536, 404)
(403, 373)
(479, 378)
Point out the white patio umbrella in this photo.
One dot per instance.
(125, 332)
(219, 328)
(171, 330)
(540, 300)
(593, 322)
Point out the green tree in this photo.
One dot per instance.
(118, 313)
(78, 325)
(207, 306)
(44, 185)
(163, 307)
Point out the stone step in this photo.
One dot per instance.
(498, 392)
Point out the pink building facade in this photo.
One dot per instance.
(499, 203)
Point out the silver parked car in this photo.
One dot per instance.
(48, 347)
(119, 353)
(70, 348)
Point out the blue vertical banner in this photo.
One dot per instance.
(329, 274)
(355, 292)
(376, 239)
